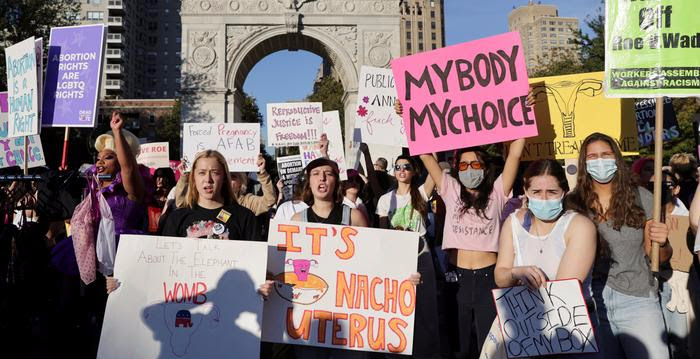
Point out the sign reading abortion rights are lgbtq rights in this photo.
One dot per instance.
(23, 89)
(465, 95)
(73, 74)
(652, 48)
(294, 123)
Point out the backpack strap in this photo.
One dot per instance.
(527, 221)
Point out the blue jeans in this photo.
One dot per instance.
(630, 327)
(676, 325)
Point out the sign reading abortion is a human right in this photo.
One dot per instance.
(294, 123)
(465, 95)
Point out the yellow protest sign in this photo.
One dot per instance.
(571, 107)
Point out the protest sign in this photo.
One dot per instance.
(39, 53)
(376, 118)
(551, 320)
(184, 298)
(571, 107)
(289, 168)
(646, 118)
(338, 288)
(12, 149)
(238, 142)
(294, 123)
(154, 155)
(651, 48)
(464, 95)
(73, 74)
(336, 150)
(22, 89)
(682, 258)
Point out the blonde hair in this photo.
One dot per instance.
(684, 165)
(192, 197)
(105, 141)
(243, 180)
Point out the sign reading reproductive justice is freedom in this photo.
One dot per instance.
(465, 95)
(73, 74)
(238, 142)
(184, 298)
(22, 89)
(154, 155)
(12, 149)
(337, 288)
(652, 48)
(375, 115)
(571, 107)
(294, 123)
(551, 320)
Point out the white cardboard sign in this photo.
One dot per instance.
(294, 123)
(184, 298)
(154, 154)
(375, 115)
(238, 142)
(23, 88)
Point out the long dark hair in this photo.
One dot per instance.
(307, 195)
(480, 201)
(624, 208)
(548, 168)
(417, 201)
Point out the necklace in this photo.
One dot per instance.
(542, 242)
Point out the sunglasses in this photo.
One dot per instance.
(463, 166)
(405, 167)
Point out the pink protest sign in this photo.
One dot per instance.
(465, 95)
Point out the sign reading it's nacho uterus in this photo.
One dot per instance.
(341, 287)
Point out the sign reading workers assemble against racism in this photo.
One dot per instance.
(652, 48)
(551, 320)
(294, 123)
(184, 298)
(12, 149)
(571, 107)
(73, 74)
(465, 95)
(341, 287)
(22, 89)
(238, 142)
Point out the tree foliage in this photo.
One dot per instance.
(20, 19)
(169, 129)
(250, 112)
(330, 92)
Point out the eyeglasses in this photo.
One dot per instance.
(405, 167)
(463, 166)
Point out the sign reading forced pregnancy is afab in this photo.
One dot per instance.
(469, 94)
(341, 287)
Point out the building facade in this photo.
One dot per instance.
(422, 25)
(542, 30)
(142, 56)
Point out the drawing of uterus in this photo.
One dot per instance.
(565, 94)
(182, 321)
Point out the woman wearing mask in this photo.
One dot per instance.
(625, 292)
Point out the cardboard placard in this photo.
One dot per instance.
(184, 298)
(154, 155)
(12, 149)
(23, 89)
(337, 288)
(289, 168)
(375, 115)
(238, 142)
(646, 121)
(294, 123)
(470, 94)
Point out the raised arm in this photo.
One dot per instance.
(371, 173)
(434, 170)
(580, 249)
(510, 170)
(131, 178)
(261, 204)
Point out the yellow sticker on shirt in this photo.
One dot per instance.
(223, 216)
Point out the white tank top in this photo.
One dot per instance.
(546, 251)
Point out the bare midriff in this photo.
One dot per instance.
(467, 259)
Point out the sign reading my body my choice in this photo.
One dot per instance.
(23, 96)
(652, 48)
(73, 75)
(294, 123)
(465, 95)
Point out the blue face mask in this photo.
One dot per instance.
(545, 209)
(602, 170)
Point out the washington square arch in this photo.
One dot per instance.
(223, 39)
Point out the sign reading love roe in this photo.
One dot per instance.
(238, 142)
(465, 95)
(335, 287)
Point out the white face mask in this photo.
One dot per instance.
(602, 170)
(471, 178)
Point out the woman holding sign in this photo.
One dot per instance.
(624, 290)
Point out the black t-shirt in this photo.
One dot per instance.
(232, 221)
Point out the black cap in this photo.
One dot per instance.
(322, 162)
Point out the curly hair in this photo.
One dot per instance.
(480, 201)
(624, 207)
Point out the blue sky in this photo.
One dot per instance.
(286, 75)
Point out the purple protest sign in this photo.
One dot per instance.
(73, 75)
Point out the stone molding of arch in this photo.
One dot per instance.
(237, 52)
(316, 7)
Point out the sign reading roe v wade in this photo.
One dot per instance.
(652, 48)
(294, 123)
(184, 298)
(22, 89)
(465, 95)
(571, 107)
(238, 142)
(336, 287)
(73, 74)
(551, 320)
